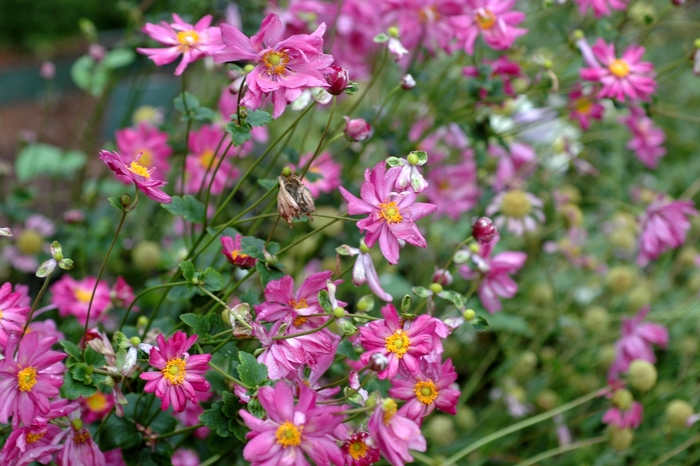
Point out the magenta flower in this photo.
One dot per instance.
(180, 375)
(202, 162)
(630, 418)
(231, 249)
(394, 433)
(620, 77)
(79, 447)
(140, 175)
(453, 189)
(181, 38)
(391, 215)
(185, 457)
(13, 316)
(647, 141)
(495, 274)
(281, 301)
(514, 164)
(325, 172)
(96, 406)
(637, 342)
(424, 22)
(283, 68)
(359, 450)
(500, 68)
(122, 294)
(290, 432)
(29, 379)
(519, 211)
(601, 7)
(72, 297)
(584, 107)
(490, 18)
(664, 226)
(403, 347)
(144, 140)
(190, 416)
(432, 386)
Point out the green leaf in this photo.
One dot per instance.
(93, 358)
(46, 268)
(380, 38)
(118, 58)
(216, 420)
(188, 101)
(421, 292)
(253, 247)
(213, 281)
(258, 118)
(511, 323)
(80, 372)
(116, 202)
(188, 207)
(81, 72)
(267, 183)
(204, 114)
(71, 350)
(45, 159)
(73, 389)
(239, 134)
(251, 372)
(480, 324)
(325, 301)
(406, 303)
(394, 161)
(119, 432)
(200, 325)
(268, 273)
(455, 298)
(187, 270)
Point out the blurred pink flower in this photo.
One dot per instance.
(423, 22)
(72, 297)
(624, 419)
(283, 68)
(394, 433)
(203, 160)
(29, 241)
(501, 67)
(664, 226)
(619, 77)
(181, 38)
(292, 431)
(13, 315)
(140, 175)
(185, 457)
(584, 106)
(324, 169)
(514, 164)
(453, 189)
(636, 342)
(147, 141)
(190, 416)
(601, 7)
(490, 18)
(519, 211)
(647, 139)
(96, 406)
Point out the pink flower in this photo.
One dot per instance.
(122, 294)
(394, 433)
(636, 343)
(424, 22)
(180, 375)
(185, 457)
(495, 274)
(391, 215)
(145, 140)
(363, 271)
(323, 175)
(402, 345)
(281, 301)
(519, 211)
(359, 450)
(584, 106)
(79, 448)
(490, 18)
(114, 458)
(72, 297)
(283, 68)
(453, 189)
(292, 431)
(140, 175)
(601, 7)
(432, 386)
(190, 416)
(96, 406)
(13, 315)
(231, 249)
(630, 418)
(664, 226)
(647, 139)
(203, 161)
(514, 164)
(620, 77)
(30, 240)
(357, 129)
(503, 68)
(29, 379)
(192, 42)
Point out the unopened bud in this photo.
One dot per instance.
(47, 70)
(125, 200)
(248, 68)
(363, 247)
(347, 328)
(621, 439)
(407, 82)
(483, 230)
(623, 399)
(642, 375)
(620, 279)
(366, 303)
(77, 423)
(109, 381)
(97, 52)
(135, 341)
(393, 31)
(442, 277)
(378, 362)
(357, 129)
(578, 34)
(469, 314)
(338, 312)
(678, 412)
(142, 321)
(337, 80)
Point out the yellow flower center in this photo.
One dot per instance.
(26, 379)
(30, 242)
(299, 321)
(515, 204)
(82, 436)
(428, 15)
(398, 343)
(207, 158)
(390, 408)
(174, 371)
(146, 158)
(390, 212)
(485, 19)
(275, 62)
(619, 68)
(82, 295)
(426, 391)
(301, 304)
(583, 105)
(139, 169)
(32, 438)
(0, 314)
(288, 435)
(358, 449)
(96, 402)
(236, 254)
(187, 39)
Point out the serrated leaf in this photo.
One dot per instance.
(213, 281)
(93, 358)
(253, 247)
(71, 349)
(200, 325)
(215, 419)
(73, 389)
(421, 292)
(187, 270)
(258, 118)
(251, 372)
(325, 301)
(80, 372)
(203, 114)
(119, 432)
(480, 324)
(187, 207)
(267, 274)
(239, 134)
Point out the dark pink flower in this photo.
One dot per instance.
(357, 129)
(122, 294)
(79, 447)
(647, 141)
(185, 457)
(514, 164)
(72, 297)
(664, 226)
(13, 315)
(291, 431)
(181, 38)
(140, 175)
(424, 22)
(148, 143)
(601, 7)
(363, 271)
(637, 342)
(394, 433)
(284, 68)
(231, 249)
(630, 418)
(402, 345)
(359, 450)
(29, 240)
(432, 386)
(325, 173)
(282, 301)
(584, 106)
(96, 406)
(484, 231)
(202, 161)
(493, 19)
(495, 274)
(619, 77)
(29, 379)
(453, 189)
(338, 79)
(391, 215)
(180, 375)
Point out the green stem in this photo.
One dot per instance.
(215, 298)
(305, 237)
(320, 141)
(563, 449)
(185, 430)
(305, 332)
(211, 460)
(34, 305)
(144, 292)
(680, 448)
(521, 425)
(227, 376)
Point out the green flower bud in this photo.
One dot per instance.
(596, 318)
(286, 171)
(547, 399)
(623, 399)
(338, 312)
(135, 341)
(436, 288)
(678, 412)
(621, 439)
(440, 430)
(642, 375)
(146, 255)
(621, 279)
(393, 31)
(142, 321)
(469, 314)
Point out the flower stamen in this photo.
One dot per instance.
(485, 19)
(275, 62)
(288, 435)
(389, 211)
(398, 343)
(187, 39)
(619, 68)
(139, 169)
(26, 379)
(174, 371)
(426, 391)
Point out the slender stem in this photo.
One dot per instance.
(381, 106)
(187, 135)
(211, 460)
(305, 332)
(227, 376)
(185, 430)
(421, 457)
(144, 292)
(99, 275)
(452, 256)
(680, 448)
(320, 141)
(215, 298)
(521, 425)
(563, 449)
(34, 304)
(305, 237)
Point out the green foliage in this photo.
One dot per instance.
(204, 325)
(223, 417)
(189, 106)
(187, 207)
(44, 159)
(251, 372)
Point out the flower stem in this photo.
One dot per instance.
(680, 448)
(34, 304)
(144, 292)
(227, 376)
(563, 449)
(320, 141)
(215, 298)
(305, 332)
(185, 430)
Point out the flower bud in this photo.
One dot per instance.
(620, 279)
(547, 399)
(440, 430)
(678, 412)
(365, 303)
(248, 68)
(146, 255)
(135, 341)
(47, 70)
(74, 216)
(642, 375)
(469, 314)
(378, 362)
(357, 129)
(596, 318)
(393, 31)
(678, 2)
(407, 82)
(97, 52)
(483, 230)
(337, 80)
(436, 288)
(623, 399)
(621, 439)
(142, 321)
(347, 328)
(442, 277)
(338, 312)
